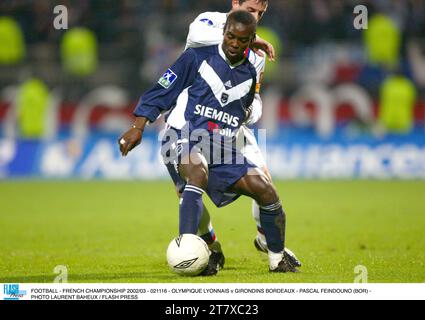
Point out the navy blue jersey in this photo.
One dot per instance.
(204, 90)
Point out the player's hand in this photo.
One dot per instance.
(129, 140)
(261, 44)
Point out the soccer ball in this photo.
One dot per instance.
(188, 255)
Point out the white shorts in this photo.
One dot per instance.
(251, 150)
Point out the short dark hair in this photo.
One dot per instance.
(263, 1)
(243, 17)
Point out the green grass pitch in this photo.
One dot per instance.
(119, 232)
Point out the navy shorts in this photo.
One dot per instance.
(221, 176)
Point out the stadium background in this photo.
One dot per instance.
(339, 103)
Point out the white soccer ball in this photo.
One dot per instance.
(188, 255)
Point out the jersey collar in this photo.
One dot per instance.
(223, 55)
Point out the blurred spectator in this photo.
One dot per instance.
(398, 98)
(312, 33)
(383, 42)
(79, 52)
(32, 104)
(12, 46)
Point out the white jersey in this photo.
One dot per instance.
(207, 30)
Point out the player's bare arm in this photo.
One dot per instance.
(133, 137)
(260, 45)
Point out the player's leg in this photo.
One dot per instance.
(252, 152)
(206, 230)
(272, 217)
(207, 233)
(194, 170)
(260, 241)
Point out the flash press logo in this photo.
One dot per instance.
(12, 292)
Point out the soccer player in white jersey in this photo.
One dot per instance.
(205, 30)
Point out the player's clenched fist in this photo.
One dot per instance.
(129, 140)
(133, 137)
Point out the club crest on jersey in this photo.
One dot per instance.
(168, 79)
(224, 97)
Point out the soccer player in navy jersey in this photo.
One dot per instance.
(211, 90)
(207, 30)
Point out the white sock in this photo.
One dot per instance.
(274, 259)
(262, 239)
(256, 213)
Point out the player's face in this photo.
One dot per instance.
(255, 7)
(237, 38)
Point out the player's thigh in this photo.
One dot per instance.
(258, 187)
(252, 151)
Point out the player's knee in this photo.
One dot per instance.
(268, 195)
(198, 178)
(267, 173)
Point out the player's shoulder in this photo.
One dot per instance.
(203, 52)
(257, 61)
(249, 67)
(252, 68)
(213, 19)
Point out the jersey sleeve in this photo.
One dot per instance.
(257, 104)
(204, 31)
(163, 96)
(256, 110)
(260, 68)
(250, 103)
